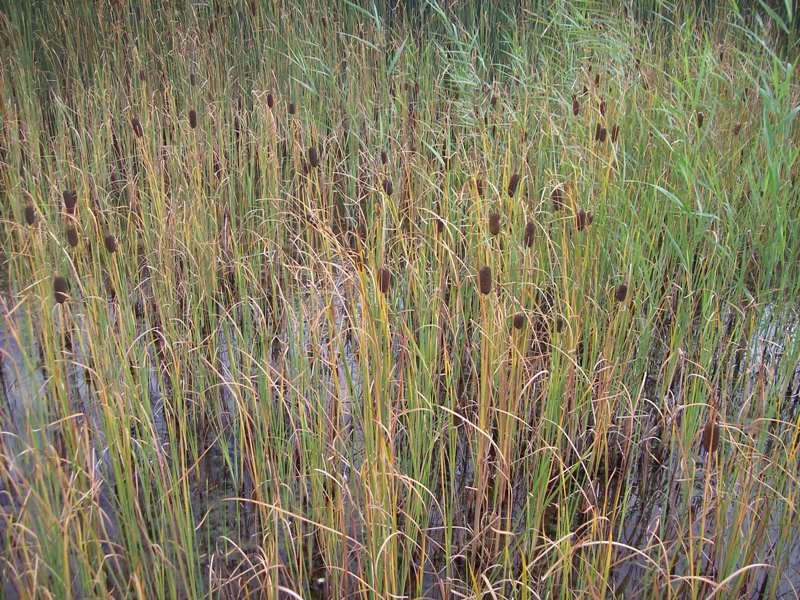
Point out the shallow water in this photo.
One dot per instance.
(24, 382)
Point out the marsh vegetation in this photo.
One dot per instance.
(437, 300)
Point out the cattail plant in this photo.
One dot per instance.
(512, 185)
(193, 119)
(583, 219)
(110, 243)
(621, 293)
(292, 108)
(519, 321)
(313, 157)
(270, 100)
(485, 280)
(388, 188)
(70, 201)
(494, 223)
(603, 107)
(530, 232)
(700, 119)
(72, 236)
(30, 214)
(576, 107)
(384, 157)
(479, 186)
(737, 129)
(384, 280)
(60, 289)
(137, 127)
(614, 133)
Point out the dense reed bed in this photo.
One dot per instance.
(445, 300)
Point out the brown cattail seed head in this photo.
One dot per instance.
(560, 324)
(614, 133)
(494, 223)
(292, 108)
(512, 185)
(597, 80)
(737, 129)
(193, 118)
(388, 188)
(602, 107)
(583, 219)
(384, 157)
(72, 236)
(710, 440)
(558, 198)
(111, 243)
(576, 107)
(622, 293)
(485, 280)
(30, 214)
(60, 289)
(600, 133)
(530, 232)
(70, 200)
(313, 157)
(270, 100)
(519, 321)
(137, 127)
(384, 280)
(479, 187)
(700, 118)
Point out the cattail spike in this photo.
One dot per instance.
(313, 157)
(710, 440)
(519, 321)
(138, 131)
(600, 133)
(388, 188)
(512, 185)
(72, 236)
(557, 198)
(576, 107)
(384, 280)
(494, 223)
(583, 219)
(622, 293)
(111, 243)
(30, 214)
(485, 280)
(60, 289)
(193, 119)
(530, 233)
(70, 200)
